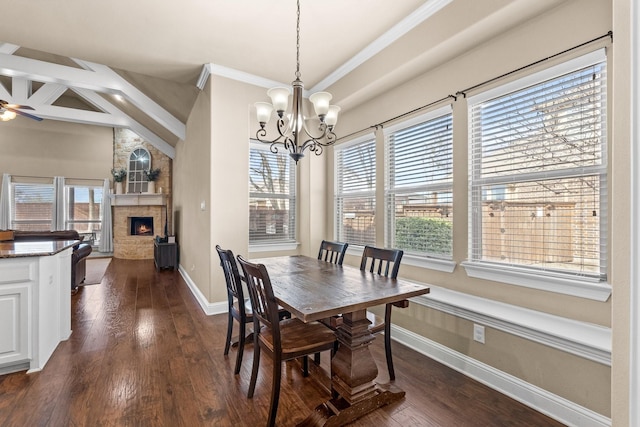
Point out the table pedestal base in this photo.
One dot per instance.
(338, 412)
(353, 382)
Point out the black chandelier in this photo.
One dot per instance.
(292, 127)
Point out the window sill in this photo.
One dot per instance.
(583, 339)
(273, 247)
(569, 286)
(444, 265)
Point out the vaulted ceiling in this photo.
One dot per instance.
(102, 62)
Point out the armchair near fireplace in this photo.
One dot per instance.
(78, 257)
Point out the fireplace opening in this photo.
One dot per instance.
(141, 225)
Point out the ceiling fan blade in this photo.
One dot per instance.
(21, 107)
(22, 113)
(5, 104)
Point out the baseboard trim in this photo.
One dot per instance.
(208, 308)
(552, 405)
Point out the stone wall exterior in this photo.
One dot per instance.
(139, 247)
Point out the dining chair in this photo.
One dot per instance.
(238, 307)
(332, 252)
(385, 262)
(281, 340)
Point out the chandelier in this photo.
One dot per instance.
(295, 134)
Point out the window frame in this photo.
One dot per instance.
(339, 195)
(136, 179)
(69, 223)
(289, 243)
(553, 281)
(441, 262)
(36, 182)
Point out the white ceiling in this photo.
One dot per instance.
(355, 49)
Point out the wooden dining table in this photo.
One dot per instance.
(313, 290)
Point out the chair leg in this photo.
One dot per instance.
(305, 366)
(316, 358)
(387, 342)
(241, 341)
(229, 332)
(254, 370)
(275, 391)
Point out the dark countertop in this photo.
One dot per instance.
(15, 249)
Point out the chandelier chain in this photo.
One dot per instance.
(298, 43)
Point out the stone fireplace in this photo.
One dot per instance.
(137, 219)
(128, 208)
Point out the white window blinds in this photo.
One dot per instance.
(32, 205)
(355, 177)
(419, 185)
(272, 203)
(538, 173)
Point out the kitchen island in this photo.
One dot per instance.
(35, 302)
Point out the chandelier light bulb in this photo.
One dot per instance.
(263, 112)
(320, 102)
(279, 98)
(332, 116)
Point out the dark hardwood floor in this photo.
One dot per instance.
(143, 353)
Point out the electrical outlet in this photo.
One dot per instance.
(478, 333)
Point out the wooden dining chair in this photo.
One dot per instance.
(281, 340)
(332, 252)
(238, 307)
(385, 262)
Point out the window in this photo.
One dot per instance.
(419, 185)
(272, 201)
(355, 200)
(139, 161)
(538, 181)
(32, 205)
(83, 211)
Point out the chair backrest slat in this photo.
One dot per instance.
(263, 301)
(231, 277)
(379, 259)
(332, 252)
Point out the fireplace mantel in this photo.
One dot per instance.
(139, 199)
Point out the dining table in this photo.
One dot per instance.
(313, 290)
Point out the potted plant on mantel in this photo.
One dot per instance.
(151, 175)
(118, 177)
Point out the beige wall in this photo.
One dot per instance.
(191, 185)
(584, 382)
(621, 153)
(53, 148)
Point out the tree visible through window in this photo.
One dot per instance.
(538, 174)
(272, 203)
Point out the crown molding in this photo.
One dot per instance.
(420, 15)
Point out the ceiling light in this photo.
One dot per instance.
(7, 115)
(294, 133)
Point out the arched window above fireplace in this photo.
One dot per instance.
(139, 161)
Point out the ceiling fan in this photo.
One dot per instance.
(9, 111)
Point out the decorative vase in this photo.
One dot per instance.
(118, 187)
(151, 187)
